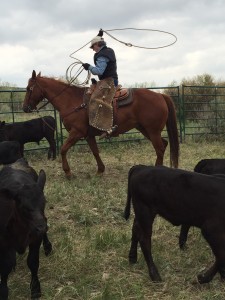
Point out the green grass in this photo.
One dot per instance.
(91, 239)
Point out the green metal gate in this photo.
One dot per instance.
(200, 114)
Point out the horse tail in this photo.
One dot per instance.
(171, 126)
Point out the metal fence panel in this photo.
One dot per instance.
(200, 113)
(203, 111)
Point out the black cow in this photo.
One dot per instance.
(181, 197)
(22, 221)
(9, 152)
(31, 131)
(212, 166)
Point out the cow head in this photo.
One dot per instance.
(9, 152)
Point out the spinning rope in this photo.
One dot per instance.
(72, 79)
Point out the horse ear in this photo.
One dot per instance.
(39, 74)
(33, 74)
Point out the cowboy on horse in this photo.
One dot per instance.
(103, 91)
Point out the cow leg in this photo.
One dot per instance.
(213, 232)
(33, 265)
(94, 148)
(47, 245)
(208, 275)
(134, 244)
(145, 243)
(4, 290)
(7, 263)
(143, 233)
(52, 148)
(183, 235)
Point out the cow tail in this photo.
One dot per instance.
(128, 204)
(172, 131)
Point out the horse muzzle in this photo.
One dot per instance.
(27, 109)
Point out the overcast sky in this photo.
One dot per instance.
(41, 35)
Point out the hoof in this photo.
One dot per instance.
(99, 173)
(183, 246)
(132, 260)
(48, 249)
(203, 279)
(68, 175)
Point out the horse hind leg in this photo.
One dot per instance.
(159, 144)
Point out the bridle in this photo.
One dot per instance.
(30, 90)
(36, 84)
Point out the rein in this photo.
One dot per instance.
(76, 109)
(46, 123)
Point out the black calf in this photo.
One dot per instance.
(22, 222)
(214, 166)
(181, 197)
(31, 131)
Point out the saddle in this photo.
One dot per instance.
(123, 96)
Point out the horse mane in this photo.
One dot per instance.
(61, 80)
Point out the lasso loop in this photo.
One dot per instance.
(74, 79)
(131, 45)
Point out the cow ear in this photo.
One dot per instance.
(41, 179)
(7, 208)
(39, 74)
(33, 74)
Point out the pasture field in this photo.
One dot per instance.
(91, 239)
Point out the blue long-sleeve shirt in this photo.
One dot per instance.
(100, 67)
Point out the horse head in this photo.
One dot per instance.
(34, 93)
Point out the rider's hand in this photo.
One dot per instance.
(100, 33)
(86, 66)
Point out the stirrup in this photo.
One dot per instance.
(107, 134)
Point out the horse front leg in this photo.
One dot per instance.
(94, 148)
(70, 141)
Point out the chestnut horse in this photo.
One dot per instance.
(149, 113)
